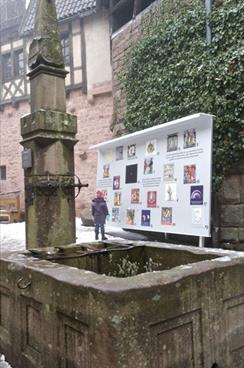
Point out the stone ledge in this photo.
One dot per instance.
(51, 121)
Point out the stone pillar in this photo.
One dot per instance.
(48, 139)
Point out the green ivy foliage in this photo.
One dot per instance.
(173, 72)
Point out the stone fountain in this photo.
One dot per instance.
(104, 305)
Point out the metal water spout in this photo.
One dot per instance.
(48, 139)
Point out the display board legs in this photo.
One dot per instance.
(201, 241)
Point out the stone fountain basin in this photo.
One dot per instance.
(69, 313)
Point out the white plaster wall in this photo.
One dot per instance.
(97, 39)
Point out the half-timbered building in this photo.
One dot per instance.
(85, 38)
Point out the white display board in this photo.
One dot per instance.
(159, 179)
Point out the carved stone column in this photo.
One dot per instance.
(48, 139)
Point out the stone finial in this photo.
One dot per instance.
(46, 48)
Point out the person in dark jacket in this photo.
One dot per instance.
(99, 213)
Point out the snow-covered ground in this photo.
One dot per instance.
(12, 236)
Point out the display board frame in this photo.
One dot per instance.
(159, 179)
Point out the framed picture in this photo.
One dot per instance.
(170, 192)
(145, 217)
(168, 173)
(172, 142)
(196, 195)
(135, 196)
(119, 153)
(189, 174)
(115, 214)
(148, 166)
(151, 147)
(197, 216)
(131, 174)
(117, 198)
(152, 199)
(130, 217)
(106, 171)
(190, 138)
(116, 182)
(108, 156)
(131, 151)
(166, 216)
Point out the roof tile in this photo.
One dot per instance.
(65, 9)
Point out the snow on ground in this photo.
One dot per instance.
(12, 236)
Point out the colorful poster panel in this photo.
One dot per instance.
(166, 216)
(172, 142)
(145, 218)
(117, 198)
(170, 192)
(106, 171)
(119, 153)
(116, 182)
(115, 214)
(131, 151)
(131, 174)
(197, 216)
(148, 166)
(189, 138)
(168, 174)
(135, 196)
(151, 147)
(189, 174)
(152, 199)
(130, 217)
(197, 195)
(108, 156)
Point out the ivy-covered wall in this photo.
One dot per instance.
(171, 71)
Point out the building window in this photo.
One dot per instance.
(66, 48)
(19, 65)
(3, 173)
(123, 11)
(13, 65)
(7, 67)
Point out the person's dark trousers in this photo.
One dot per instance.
(97, 226)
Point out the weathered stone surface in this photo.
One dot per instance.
(170, 318)
(49, 134)
(242, 189)
(231, 190)
(47, 91)
(230, 234)
(232, 215)
(45, 47)
(48, 121)
(86, 217)
(241, 235)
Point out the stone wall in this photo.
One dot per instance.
(10, 148)
(231, 208)
(94, 118)
(121, 43)
(192, 315)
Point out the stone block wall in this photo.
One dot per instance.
(122, 41)
(94, 119)
(10, 148)
(231, 207)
